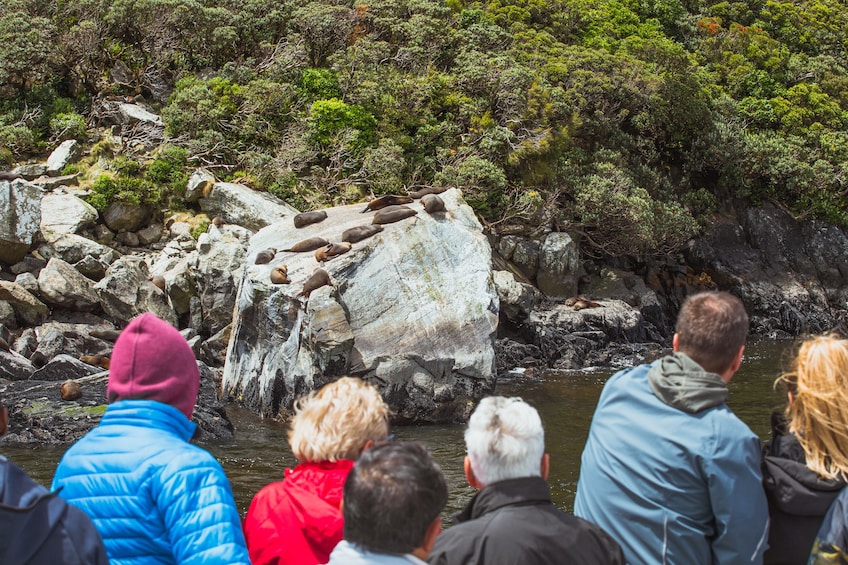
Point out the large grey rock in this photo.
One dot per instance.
(559, 263)
(30, 171)
(20, 218)
(126, 291)
(29, 282)
(73, 248)
(522, 252)
(63, 367)
(68, 152)
(199, 183)
(7, 315)
(76, 338)
(62, 285)
(216, 269)
(65, 213)
(29, 310)
(120, 217)
(239, 204)
(412, 309)
(133, 113)
(517, 299)
(15, 367)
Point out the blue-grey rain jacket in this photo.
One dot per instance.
(154, 497)
(674, 481)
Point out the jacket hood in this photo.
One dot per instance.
(28, 513)
(152, 361)
(682, 383)
(797, 490)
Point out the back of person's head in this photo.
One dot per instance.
(818, 410)
(151, 360)
(392, 496)
(711, 328)
(336, 421)
(505, 440)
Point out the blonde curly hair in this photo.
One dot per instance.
(817, 383)
(336, 421)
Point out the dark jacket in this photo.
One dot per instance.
(831, 544)
(39, 528)
(797, 498)
(514, 522)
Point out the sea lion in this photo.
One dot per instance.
(331, 250)
(391, 214)
(427, 190)
(319, 278)
(265, 256)
(106, 334)
(359, 233)
(573, 300)
(306, 218)
(387, 200)
(158, 281)
(583, 304)
(218, 221)
(432, 203)
(6, 175)
(96, 360)
(70, 390)
(280, 275)
(310, 244)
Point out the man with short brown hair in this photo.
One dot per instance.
(668, 470)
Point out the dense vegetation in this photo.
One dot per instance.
(628, 121)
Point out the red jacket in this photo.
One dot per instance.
(298, 521)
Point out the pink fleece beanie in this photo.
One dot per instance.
(152, 361)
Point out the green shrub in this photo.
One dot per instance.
(67, 126)
(329, 118)
(17, 140)
(127, 190)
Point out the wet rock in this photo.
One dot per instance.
(62, 285)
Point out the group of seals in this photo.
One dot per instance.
(96, 360)
(387, 200)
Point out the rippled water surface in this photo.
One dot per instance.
(566, 401)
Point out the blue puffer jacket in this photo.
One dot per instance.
(154, 497)
(674, 481)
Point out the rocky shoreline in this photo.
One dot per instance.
(71, 278)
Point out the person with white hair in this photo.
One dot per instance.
(512, 519)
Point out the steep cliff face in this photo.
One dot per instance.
(412, 308)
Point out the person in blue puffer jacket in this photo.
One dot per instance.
(154, 497)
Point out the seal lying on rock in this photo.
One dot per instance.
(427, 190)
(391, 214)
(5, 175)
(158, 281)
(265, 256)
(70, 390)
(319, 278)
(387, 200)
(97, 360)
(310, 244)
(331, 250)
(280, 275)
(580, 303)
(432, 203)
(306, 218)
(359, 233)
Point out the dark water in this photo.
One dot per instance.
(566, 401)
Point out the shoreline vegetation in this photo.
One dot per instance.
(628, 125)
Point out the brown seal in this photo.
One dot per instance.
(583, 304)
(318, 279)
(427, 190)
(280, 275)
(105, 333)
(97, 360)
(306, 218)
(265, 256)
(359, 233)
(432, 203)
(70, 390)
(387, 200)
(5, 175)
(310, 244)
(331, 250)
(158, 281)
(218, 221)
(391, 214)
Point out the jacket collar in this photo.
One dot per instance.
(151, 414)
(511, 492)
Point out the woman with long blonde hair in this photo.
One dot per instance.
(805, 464)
